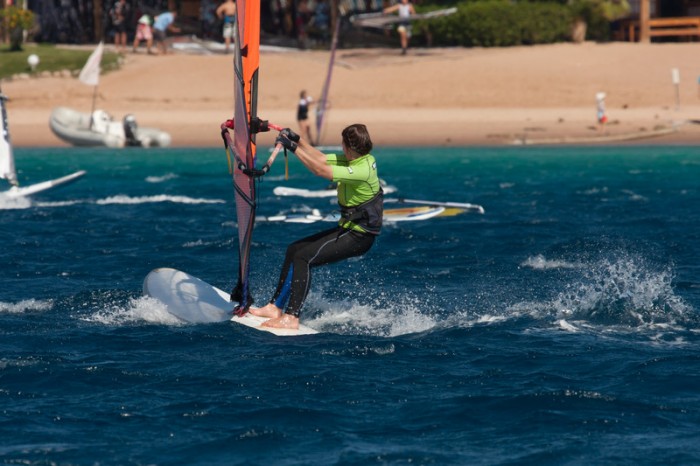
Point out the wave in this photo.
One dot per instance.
(626, 293)
(25, 203)
(11, 203)
(378, 319)
(136, 310)
(161, 179)
(539, 262)
(123, 199)
(621, 295)
(27, 305)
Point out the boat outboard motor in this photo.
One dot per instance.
(130, 128)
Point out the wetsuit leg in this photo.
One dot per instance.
(284, 283)
(326, 247)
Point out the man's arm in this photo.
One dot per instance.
(314, 160)
(390, 9)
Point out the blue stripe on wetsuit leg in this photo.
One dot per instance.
(282, 299)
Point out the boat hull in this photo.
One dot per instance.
(98, 129)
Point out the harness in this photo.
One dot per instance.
(367, 215)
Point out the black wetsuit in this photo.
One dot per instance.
(361, 201)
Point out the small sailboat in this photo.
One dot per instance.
(7, 164)
(97, 128)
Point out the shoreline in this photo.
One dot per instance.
(434, 97)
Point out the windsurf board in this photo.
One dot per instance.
(405, 214)
(15, 191)
(328, 192)
(380, 20)
(194, 301)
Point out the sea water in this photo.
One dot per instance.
(559, 327)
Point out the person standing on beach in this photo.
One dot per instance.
(162, 24)
(405, 10)
(227, 13)
(143, 32)
(119, 14)
(361, 202)
(305, 101)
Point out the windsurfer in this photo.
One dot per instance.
(360, 198)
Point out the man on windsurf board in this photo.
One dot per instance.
(361, 202)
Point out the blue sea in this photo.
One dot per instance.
(562, 326)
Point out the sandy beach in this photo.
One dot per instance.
(438, 97)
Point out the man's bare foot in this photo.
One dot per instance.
(285, 321)
(270, 311)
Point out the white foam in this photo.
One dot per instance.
(27, 305)
(161, 179)
(377, 320)
(539, 262)
(143, 309)
(59, 203)
(624, 294)
(11, 203)
(564, 325)
(124, 199)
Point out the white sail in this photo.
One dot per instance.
(90, 74)
(7, 159)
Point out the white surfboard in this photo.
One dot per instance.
(328, 192)
(23, 191)
(192, 300)
(403, 214)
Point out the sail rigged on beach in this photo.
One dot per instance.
(246, 62)
(90, 74)
(322, 107)
(7, 160)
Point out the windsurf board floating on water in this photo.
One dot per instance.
(301, 217)
(23, 191)
(7, 164)
(407, 214)
(195, 301)
(452, 207)
(390, 215)
(327, 192)
(381, 20)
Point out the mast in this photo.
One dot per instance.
(246, 62)
(7, 159)
(322, 107)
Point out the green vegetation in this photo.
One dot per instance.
(498, 23)
(51, 58)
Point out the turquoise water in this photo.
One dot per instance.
(561, 326)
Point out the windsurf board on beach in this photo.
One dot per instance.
(195, 301)
(381, 20)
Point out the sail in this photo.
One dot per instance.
(7, 160)
(246, 63)
(322, 106)
(90, 74)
